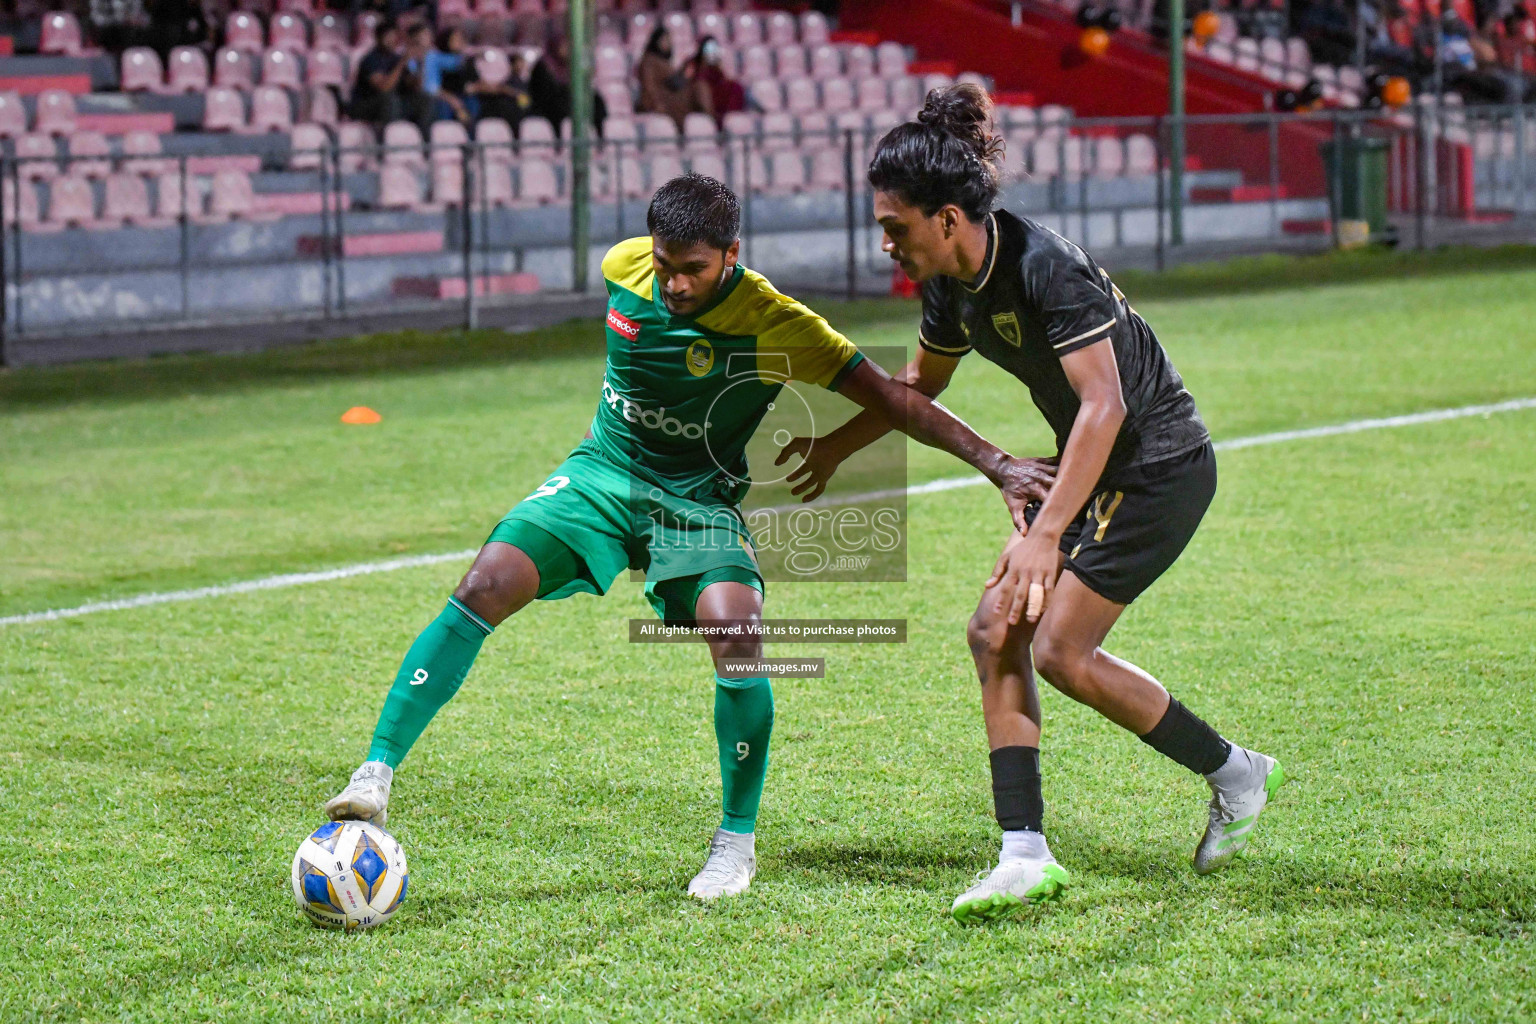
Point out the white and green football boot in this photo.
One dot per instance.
(730, 868)
(1009, 888)
(1240, 790)
(366, 797)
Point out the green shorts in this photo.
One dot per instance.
(592, 519)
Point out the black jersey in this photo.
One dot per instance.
(1038, 298)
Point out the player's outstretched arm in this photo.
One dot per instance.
(926, 421)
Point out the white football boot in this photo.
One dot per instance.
(1010, 887)
(729, 870)
(1240, 790)
(366, 797)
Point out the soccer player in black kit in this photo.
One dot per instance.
(1134, 473)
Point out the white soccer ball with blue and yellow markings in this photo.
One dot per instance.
(349, 874)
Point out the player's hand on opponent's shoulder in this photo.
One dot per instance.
(819, 457)
(1023, 481)
(1025, 575)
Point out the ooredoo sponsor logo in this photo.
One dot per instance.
(655, 419)
(623, 324)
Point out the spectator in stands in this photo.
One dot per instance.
(508, 101)
(1330, 35)
(387, 89)
(665, 89)
(1388, 38)
(437, 60)
(549, 87)
(1468, 62)
(118, 24)
(726, 94)
(174, 23)
(1261, 19)
(1512, 36)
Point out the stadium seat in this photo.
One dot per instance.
(1108, 157)
(37, 157)
(837, 95)
(169, 198)
(620, 100)
(492, 10)
(1298, 57)
(709, 164)
(662, 168)
(232, 68)
(1140, 155)
(242, 31)
(1015, 162)
(537, 183)
(61, 35)
(325, 67)
(742, 124)
(493, 67)
(330, 33)
(363, 26)
(800, 96)
(859, 61)
(321, 106)
(827, 170)
(399, 187)
(494, 184)
(447, 183)
(287, 31)
(140, 70)
(403, 145)
(22, 206)
(756, 63)
(90, 155)
(357, 147)
(448, 139)
(786, 173)
(789, 62)
(301, 7)
(1220, 52)
(72, 203)
(814, 130)
(906, 95)
(769, 94)
(126, 202)
(188, 70)
(146, 152)
(1246, 52)
(453, 12)
(231, 197)
(700, 134)
(306, 146)
(536, 136)
(610, 65)
(620, 178)
(1273, 58)
(55, 112)
(1015, 118)
(778, 132)
(780, 29)
(495, 136)
(279, 67)
(13, 115)
(746, 30)
(680, 26)
(271, 110)
(223, 110)
(826, 62)
(713, 23)
(814, 30)
(935, 81)
(891, 60)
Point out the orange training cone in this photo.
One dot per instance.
(360, 414)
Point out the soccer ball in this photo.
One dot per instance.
(349, 874)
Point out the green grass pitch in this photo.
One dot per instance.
(1361, 606)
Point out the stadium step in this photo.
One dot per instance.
(1319, 226)
(389, 243)
(453, 287)
(1238, 194)
(31, 85)
(159, 122)
(250, 163)
(933, 67)
(299, 202)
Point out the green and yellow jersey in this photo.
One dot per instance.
(682, 395)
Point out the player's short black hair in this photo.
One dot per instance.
(948, 155)
(694, 208)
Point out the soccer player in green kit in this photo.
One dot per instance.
(655, 485)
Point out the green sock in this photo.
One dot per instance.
(430, 675)
(743, 723)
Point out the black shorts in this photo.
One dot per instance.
(1138, 522)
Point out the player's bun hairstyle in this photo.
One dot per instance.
(948, 155)
(695, 208)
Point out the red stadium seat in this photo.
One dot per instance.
(37, 157)
(232, 68)
(242, 31)
(13, 115)
(61, 35)
(140, 70)
(72, 203)
(223, 110)
(271, 110)
(90, 155)
(145, 150)
(169, 198)
(288, 32)
(55, 112)
(188, 71)
(279, 67)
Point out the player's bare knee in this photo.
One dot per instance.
(735, 650)
(493, 589)
(1061, 663)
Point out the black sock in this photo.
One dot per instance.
(1016, 789)
(1184, 737)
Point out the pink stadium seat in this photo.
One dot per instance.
(145, 149)
(815, 130)
(302, 7)
(827, 170)
(741, 124)
(492, 10)
(169, 196)
(495, 136)
(493, 66)
(402, 145)
(452, 12)
(659, 132)
(330, 33)
(271, 110)
(714, 24)
(13, 115)
(90, 155)
(768, 93)
(638, 27)
(321, 106)
(786, 173)
(800, 96)
(936, 81)
(625, 179)
(906, 95)
(448, 141)
(778, 132)
(610, 65)
(72, 202)
(61, 34)
(188, 71)
(126, 201)
(537, 136)
(242, 31)
(279, 67)
(781, 29)
(891, 60)
(871, 94)
(223, 110)
(1053, 115)
(837, 95)
(494, 184)
(859, 61)
(790, 62)
(55, 112)
(814, 30)
(1140, 155)
(288, 32)
(756, 63)
(621, 102)
(22, 207)
(662, 168)
(1246, 52)
(826, 62)
(1108, 157)
(231, 196)
(447, 183)
(1012, 118)
(306, 146)
(709, 164)
(699, 134)
(399, 187)
(746, 29)
(141, 71)
(325, 67)
(37, 157)
(358, 147)
(536, 182)
(1015, 162)
(363, 26)
(232, 68)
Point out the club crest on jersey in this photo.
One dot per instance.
(699, 358)
(1007, 324)
(623, 324)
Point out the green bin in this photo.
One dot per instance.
(1357, 190)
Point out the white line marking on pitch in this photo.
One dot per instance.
(931, 487)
